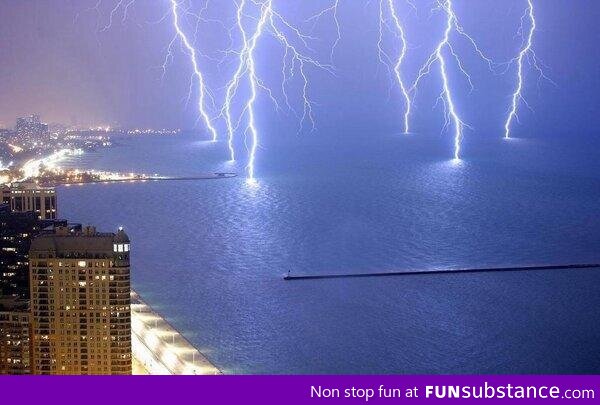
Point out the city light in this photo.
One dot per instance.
(160, 348)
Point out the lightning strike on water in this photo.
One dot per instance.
(191, 50)
(446, 96)
(263, 18)
(525, 52)
(399, 61)
(294, 62)
(177, 13)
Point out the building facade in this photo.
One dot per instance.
(15, 337)
(17, 229)
(80, 302)
(16, 233)
(29, 197)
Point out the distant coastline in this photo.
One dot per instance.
(209, 176)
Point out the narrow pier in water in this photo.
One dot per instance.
(290, 277)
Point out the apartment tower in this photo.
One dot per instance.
(80, 302)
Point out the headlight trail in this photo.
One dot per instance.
(446, 96)
(33, 167)
(294, 62)
(399, 61)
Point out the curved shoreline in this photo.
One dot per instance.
(213, 176)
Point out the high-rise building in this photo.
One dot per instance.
(15, 339)
(80, 302)
(26, 197)
(17, 229)
(31, 126)
(16, 232)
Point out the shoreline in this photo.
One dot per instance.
(210, 176)
(159, 349)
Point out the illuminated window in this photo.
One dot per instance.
(81, 263)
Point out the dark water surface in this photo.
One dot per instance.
(210, 255)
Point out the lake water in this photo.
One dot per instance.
(210, 255)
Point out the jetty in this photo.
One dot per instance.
(409, 273)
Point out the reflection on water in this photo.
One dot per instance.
(211, 255)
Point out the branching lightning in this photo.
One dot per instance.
(528, 53)
(257, 19)
(446, 96)
(333, 9)
(294, 62)
(399, 61)
(191, 50)
(177, 12)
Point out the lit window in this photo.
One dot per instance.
(81, 263)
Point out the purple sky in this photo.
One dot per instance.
(58, 62)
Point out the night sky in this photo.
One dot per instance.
(58, 61)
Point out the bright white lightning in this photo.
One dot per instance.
(525, 52)
(253, 85)
(191, 50)
(450, 114)
(249, 48)
(294, 62)
(398, 64)
(233, 84)
(177, 14)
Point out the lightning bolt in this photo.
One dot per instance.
(192, 53)
(386, 59)
(177, 12)
(294, 62)
(446, 97)
(247, 65)
(333, 10)
(528, 53)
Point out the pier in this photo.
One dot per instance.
(290, 277)
(159, 349)
(142, 179)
